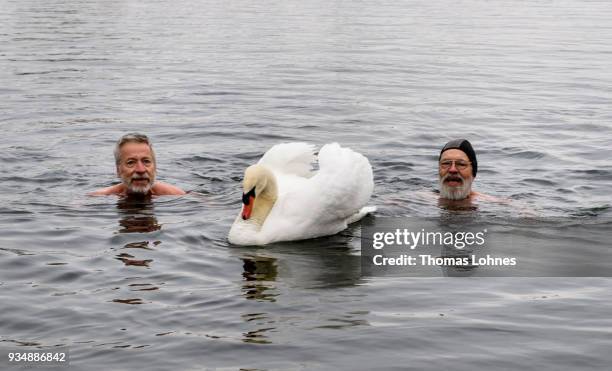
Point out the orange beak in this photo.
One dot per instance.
(247, 208)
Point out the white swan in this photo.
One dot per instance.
(284, 199)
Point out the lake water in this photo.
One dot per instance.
(156, 285)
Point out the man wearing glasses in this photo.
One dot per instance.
(136, 167)
(457, 169)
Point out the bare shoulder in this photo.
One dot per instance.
(484, 197)
(163, 189)
(112, 190)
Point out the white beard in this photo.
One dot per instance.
(134, 189)
(456, 193)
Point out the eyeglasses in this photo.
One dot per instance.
(459, 164)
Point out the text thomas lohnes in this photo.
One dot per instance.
(448, 261)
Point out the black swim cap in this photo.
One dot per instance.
(465, 146)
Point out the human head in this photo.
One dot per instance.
(135, 162)
(457, 168)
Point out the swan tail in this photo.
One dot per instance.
(360, 214)
(346, 178)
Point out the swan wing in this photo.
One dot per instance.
(325, 203)
(290, 158)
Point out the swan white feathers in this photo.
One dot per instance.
(285, 199)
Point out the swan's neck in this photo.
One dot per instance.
(265, 201)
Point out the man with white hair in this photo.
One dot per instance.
(457, 168)
(136, 167)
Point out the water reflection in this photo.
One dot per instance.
(328, 262)
(466, 205)
(137, 215)
(460, 217)
(449, 251)
(259, 274)
(128, 259)
(281, 269)
(134, 301)
(258, 336)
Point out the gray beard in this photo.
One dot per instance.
(455, 193)
(134, 189)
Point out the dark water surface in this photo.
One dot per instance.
(215, 84)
